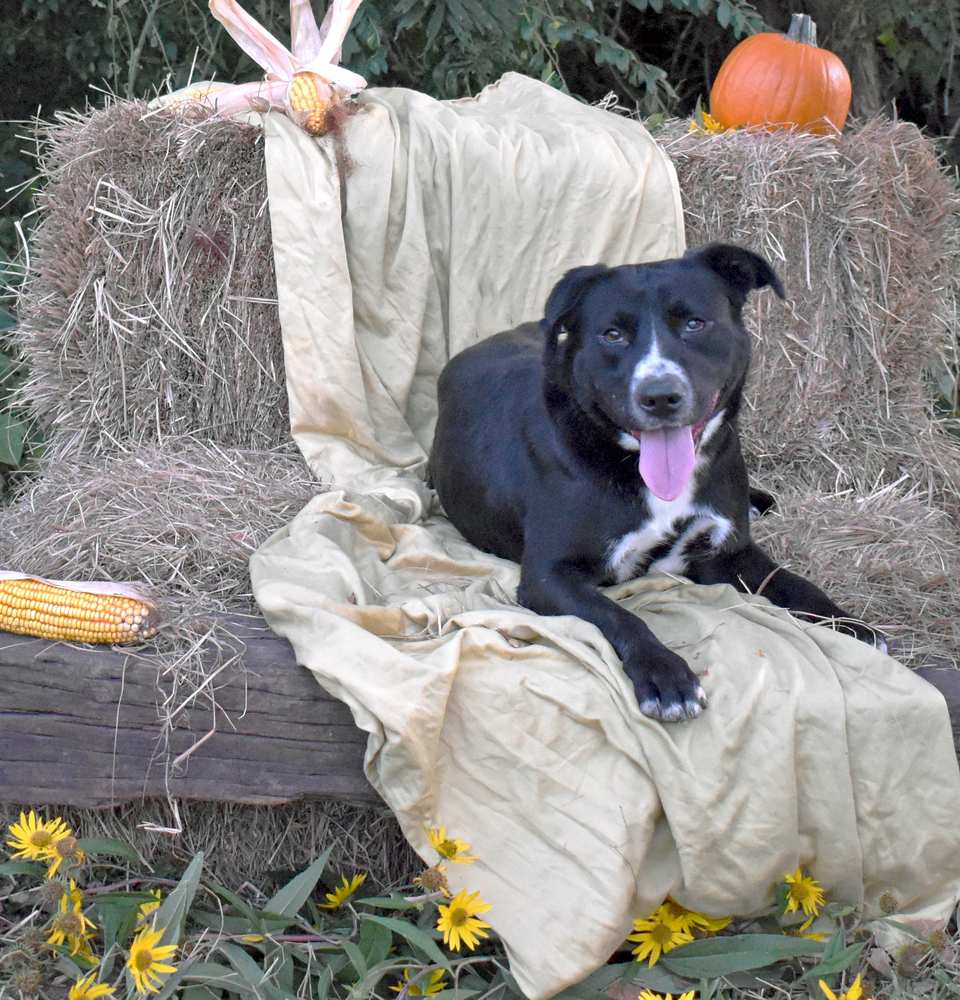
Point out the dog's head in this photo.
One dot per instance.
(653, 352)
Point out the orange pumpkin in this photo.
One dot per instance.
(783, 81)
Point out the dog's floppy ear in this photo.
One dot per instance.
(564, 298)
(741, 269)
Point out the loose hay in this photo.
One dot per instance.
(251, 843)
(151, 333)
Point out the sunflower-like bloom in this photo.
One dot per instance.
(146, 960)
(145, 909)
(690, 921)
(342, 893)
(459, 922)
(70, 922)
(854, 993)
(432, 986)
(63, 850)
(34, 838)
(804, 892)
(648, 995)
(659, 933)
(84, 989)
(450, 849)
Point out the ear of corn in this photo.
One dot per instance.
(307, 100)
(35, 607)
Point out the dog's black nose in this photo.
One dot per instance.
(660, 397)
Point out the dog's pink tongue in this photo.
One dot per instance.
(666, 460)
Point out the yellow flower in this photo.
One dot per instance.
(647, 995)
(433, 986)
(854, 993)
(450, 850)
(70, 922)
(83, 989)
(459, 922)
(689, 920)
(63, 849)
(706, 123)
(804, 892)
(33, 838)
(801, 931)
(147, 908)
(80, 948)
(146, 960)
(342, 893)
(659, 933)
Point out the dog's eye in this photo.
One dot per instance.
(694, 324)
(612, 336)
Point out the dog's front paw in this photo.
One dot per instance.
(667, 689)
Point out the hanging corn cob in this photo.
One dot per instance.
(303, 83)
(78, 612)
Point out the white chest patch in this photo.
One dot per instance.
(663, 542)
(667, 538)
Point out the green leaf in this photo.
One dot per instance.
(324, 982)
(12, 433)
(715, 957)
(656, 978)
(211, 974)
(393, 902)
(287, 902)
(248, 969)
(115, 915)
(709, 988)
(375, 942)
(836, 963)
(199, 993)
(172, 912)
(420, 939)
(23, 868)
(104, 845)
(355, 955)
(249, 914)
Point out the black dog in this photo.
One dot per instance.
(601, 444)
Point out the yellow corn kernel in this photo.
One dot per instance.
(32, 607)
(304, 96)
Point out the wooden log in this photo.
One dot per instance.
(81, 726)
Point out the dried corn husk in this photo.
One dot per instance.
(303, 83)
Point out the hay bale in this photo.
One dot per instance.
(150, 307)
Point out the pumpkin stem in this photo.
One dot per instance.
(802, 29)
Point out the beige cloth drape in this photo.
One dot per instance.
(521, 733)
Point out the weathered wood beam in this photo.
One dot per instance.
(81, 726)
